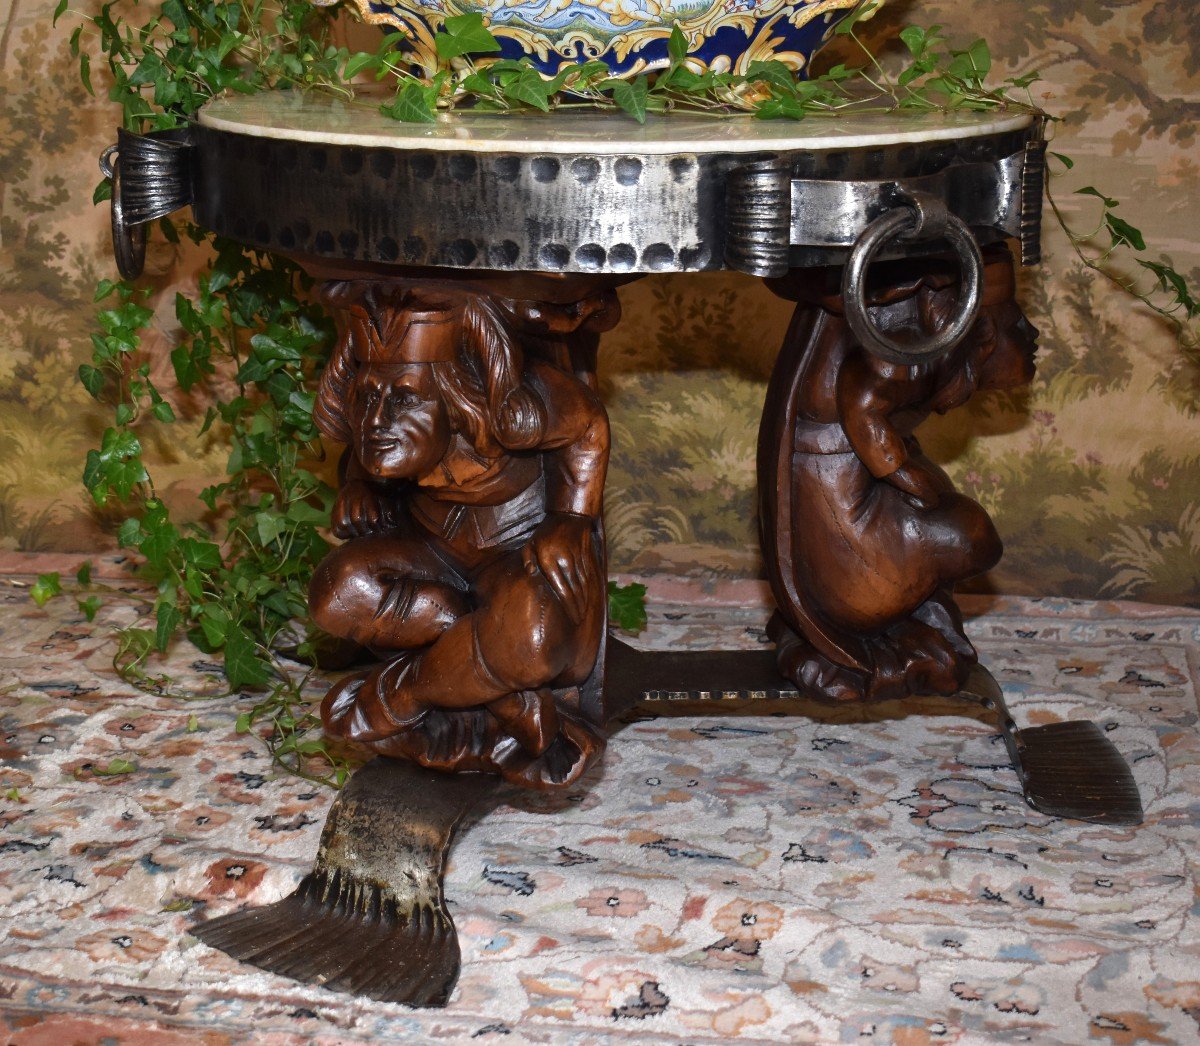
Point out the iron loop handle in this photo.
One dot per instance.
(918, 216)
(129, 239)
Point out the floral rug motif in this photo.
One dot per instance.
(868, 878)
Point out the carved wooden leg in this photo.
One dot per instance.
(864, 537)
(473, 565)
(473, 572)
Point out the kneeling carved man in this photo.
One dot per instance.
(470, 502)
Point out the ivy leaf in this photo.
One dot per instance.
(115, 768)
(464, 34)
(193, 724)
(774, 73)
(627, 605)
(531, 89)
(202, 555)
(632, 96)
(83, 576)
(1066, 161)
(190, 365)
(243, 665)
(116, 466)
(46, 588)
(59, 11)
(167, 620)
(414, 104)
(677, 45)
(356, 63)
(846, 26)
(1169, 281)
(90, 607)
(1124, 233)
(158, 538)
(980, 57)
(92, 379)
(1091, 190)
(915, 39)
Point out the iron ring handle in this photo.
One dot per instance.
(918, 216)
(129, 239)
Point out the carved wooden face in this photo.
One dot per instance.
(398, 420)
(1010, 364)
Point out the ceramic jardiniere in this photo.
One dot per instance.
(630, 36)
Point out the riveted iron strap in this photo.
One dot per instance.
(151, 177)
(758, 215)
(1033, 189)
(827, 213)
(156, 173)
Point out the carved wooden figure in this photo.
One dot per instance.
(471, 495)
(864, 536)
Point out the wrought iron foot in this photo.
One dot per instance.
(1066, 769)
(371, 917)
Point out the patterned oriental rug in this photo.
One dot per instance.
(717, 879)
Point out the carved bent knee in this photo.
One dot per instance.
(371, 592)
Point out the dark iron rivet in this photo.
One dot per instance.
(507, 168)
(628, 169)
(586, 169)
(461, 253)
(462, 166)
(554, 256)
(591, 256)
(503, 255)
(422, 165)
(545, 168)
(658, 256)
(622, 257)
(383, 162)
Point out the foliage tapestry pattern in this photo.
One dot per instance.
(1093, 476)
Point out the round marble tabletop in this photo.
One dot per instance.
(328, 120)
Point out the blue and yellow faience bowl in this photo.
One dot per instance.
(630, 36)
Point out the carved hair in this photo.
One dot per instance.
(335, 389)
(482, 390)
(518, 419)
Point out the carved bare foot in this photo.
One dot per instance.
(573, 749)
(529, 717)
(368, 707)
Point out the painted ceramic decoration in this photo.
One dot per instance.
(629, 35)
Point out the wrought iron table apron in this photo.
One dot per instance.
(601, 213)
